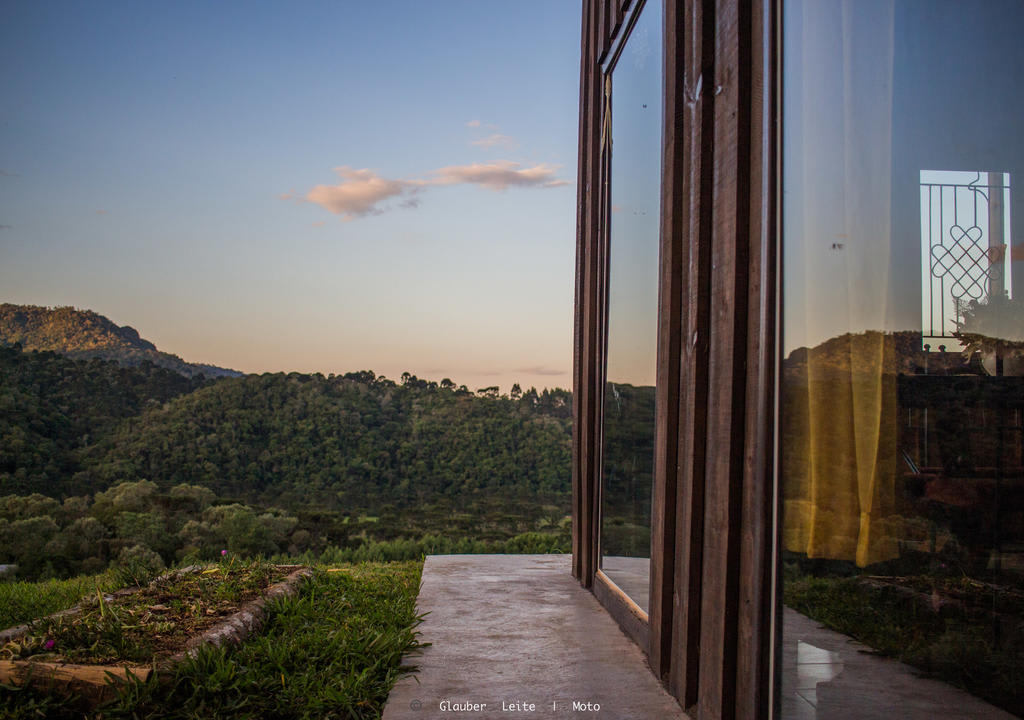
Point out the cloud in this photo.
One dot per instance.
(540, 370)
(4, 173)
(494, 140)
(318, 223)
(6, 227)
(359, 193)
(499, 175)
(364, 192)
(101, 212)
(473, 123)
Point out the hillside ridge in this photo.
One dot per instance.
(85, 334)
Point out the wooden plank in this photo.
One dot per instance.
(620, 13)
(94, 683)
(620, 606)
(578, 306)
(586, 367)
(601, 240)
(604, 34)
(754, 649)
(690, 56)
(727, 376)
(670, 317)
(17, 672)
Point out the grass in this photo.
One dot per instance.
(332, 651)
(24, 601)
(409, 549)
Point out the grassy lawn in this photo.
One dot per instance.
(24, 601)
(332, 651)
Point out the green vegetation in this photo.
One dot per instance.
(356, 442)
(23, 601)
(52, 408)
(116, 473)
(104, 461)
(85, 334)
(332, 651)
(628, 464)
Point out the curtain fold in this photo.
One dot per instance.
(840, 425)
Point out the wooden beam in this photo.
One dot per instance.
(664, 518)
(723, 496)
(587, 315)
(754, 637)
(692, 54)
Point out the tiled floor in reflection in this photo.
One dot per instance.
(828, 675)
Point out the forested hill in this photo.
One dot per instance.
(85, 334)
(98, 460)
(52, 407)
(353, 442)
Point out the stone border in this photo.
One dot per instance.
(97, 682)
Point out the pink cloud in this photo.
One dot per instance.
(359, 193)
(364, 192)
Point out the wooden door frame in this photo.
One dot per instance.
(708, 634)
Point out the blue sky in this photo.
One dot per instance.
(313, 186)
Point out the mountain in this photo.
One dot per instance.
(855, 353)
(85, 334)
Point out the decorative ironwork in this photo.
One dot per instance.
(964, 247)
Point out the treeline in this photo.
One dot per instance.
(355, 443)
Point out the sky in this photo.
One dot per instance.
(310, 186)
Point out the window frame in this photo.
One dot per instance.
(713, 517)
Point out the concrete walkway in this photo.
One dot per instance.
(829, 675)
(516, 636)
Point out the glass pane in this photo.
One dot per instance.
(628, 450)
(903, 380)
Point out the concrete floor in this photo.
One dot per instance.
(508, 629)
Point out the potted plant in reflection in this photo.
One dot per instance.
(994, 328)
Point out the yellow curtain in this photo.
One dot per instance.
(839, 397)
(840, 452)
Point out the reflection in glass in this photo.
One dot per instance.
(903, 380)
(628, 429)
